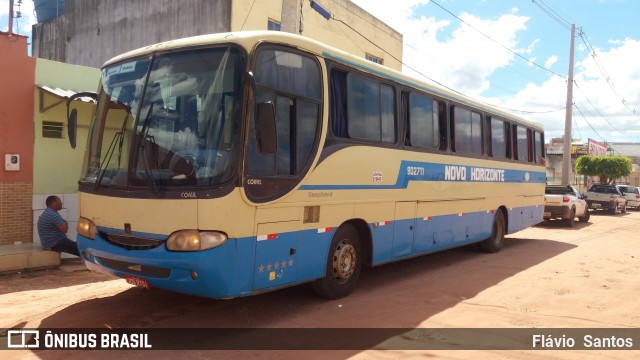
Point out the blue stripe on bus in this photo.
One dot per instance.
(245, 266)
(421, 171)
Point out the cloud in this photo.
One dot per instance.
(550, 61)
(446, 51)
(21, 25)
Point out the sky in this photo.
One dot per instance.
(515, 55)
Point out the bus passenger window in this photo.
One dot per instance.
(467, 131)
(370, 110)
(499, 139)
(538, 141)
(521, 143)
(423, 125)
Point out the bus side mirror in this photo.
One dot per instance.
(266, 137)
(72, 127)
(72, 115)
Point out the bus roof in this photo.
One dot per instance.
(249, 39)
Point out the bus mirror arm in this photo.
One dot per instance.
(72, 116)
(266, 137)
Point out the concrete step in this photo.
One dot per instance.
(20, 257)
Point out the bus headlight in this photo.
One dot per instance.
(86, 228)
(194, 240)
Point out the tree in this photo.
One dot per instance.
(607, 168)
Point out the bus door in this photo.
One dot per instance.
(288, 84)
(404, 228)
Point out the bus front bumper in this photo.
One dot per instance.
(209, 273)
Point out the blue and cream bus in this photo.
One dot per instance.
(232, 164)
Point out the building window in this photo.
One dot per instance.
(52, 130)
(374, 59)
(273, 25)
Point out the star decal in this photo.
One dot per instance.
(269, 267)
(290, 262)
(284, 264)
(261, 268)
(276, 265)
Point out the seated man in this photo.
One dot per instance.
(52, 229)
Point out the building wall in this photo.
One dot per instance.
(57, 166)
(97, 30)
(16, 137)
(93, 31)
(254, 15)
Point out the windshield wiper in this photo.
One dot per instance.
(142, 149)
(119, 139)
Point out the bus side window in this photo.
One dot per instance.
(442, 119)
(423, 125)
(521, 143)
(467, 131)
(538, 141)
(370, 110)
(499, 138)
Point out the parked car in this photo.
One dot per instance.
(606, 197)
(565, 203)
(632, 194)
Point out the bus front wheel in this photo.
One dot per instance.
(496, 240)
(343, 264)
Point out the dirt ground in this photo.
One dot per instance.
(548, 276)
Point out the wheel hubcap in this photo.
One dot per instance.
(344, 262)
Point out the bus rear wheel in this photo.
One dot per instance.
(496, 240)
(343, 264)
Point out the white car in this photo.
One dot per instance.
(566, 203)
(632, 194)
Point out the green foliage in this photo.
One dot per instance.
(608, 168)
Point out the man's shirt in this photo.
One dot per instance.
(48, 224)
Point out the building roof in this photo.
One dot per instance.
(626, 149)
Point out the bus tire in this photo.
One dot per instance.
(494, 243)
(343, 264)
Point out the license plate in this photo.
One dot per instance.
(134, 280)
(547, 214)
(596, 205)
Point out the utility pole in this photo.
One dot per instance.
(566, 151)
(10, 17)
(290, 16)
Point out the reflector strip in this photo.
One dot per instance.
(267, 237)
(427, 218)
(325, 230)
(461, 214)
(381, 223)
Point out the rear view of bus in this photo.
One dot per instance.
(233, 164)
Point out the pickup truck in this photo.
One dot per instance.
(565, 203)
(632, 194)
(606, 197)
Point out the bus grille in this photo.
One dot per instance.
(137, 269)
(131, 242)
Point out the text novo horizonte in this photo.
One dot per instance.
(459, 173)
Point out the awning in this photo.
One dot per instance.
(62, 94)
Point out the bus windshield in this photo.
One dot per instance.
(166, 121)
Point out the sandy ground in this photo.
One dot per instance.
(548, 276)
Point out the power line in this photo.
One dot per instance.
(603, 71)
(552, 14)
(433, 80)
(496, 42)
(600, 114)
(248, 13)
(588, 123)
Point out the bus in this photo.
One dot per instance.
(233, 164)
